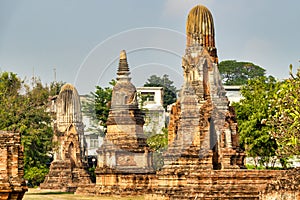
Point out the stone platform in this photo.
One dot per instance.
(119, 183)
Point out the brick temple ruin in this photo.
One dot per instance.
(67, 170)
(203, 159)
(12, 184)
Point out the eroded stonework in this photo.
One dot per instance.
(67, 170)
(203, 159)
(12, 184)
(286, 185)
(202, 126)
(124, 159)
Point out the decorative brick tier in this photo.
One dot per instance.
(12, 184)
(175, 184)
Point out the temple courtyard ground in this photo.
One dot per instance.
(36, 194)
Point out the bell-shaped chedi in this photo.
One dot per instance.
(124, 165)
(124, 146)
(67, 169)
(125, 121)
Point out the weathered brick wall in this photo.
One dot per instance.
(284, 186)
(189, 183)
(173, 184)
(12, 184)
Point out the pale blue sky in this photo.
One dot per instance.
(82, 39)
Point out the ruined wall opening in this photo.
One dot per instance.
(71, 155)
(214, 144)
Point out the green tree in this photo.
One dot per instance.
(159, 143)
(169, 89)
(23, 110)
(35, 127)
(285, 120)
(238, 73)
(252, 114)
(97, 106)
(55, 87)
(11, 101)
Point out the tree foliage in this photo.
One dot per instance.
(285, 121)
(36, 175)
(159, 143)
(268, 118)
(238, 73)
(97, 107)
(54, 87)
(11, 101)
(23, 110)
(169, 89)
(252, 113)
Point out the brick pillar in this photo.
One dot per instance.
(12, 184)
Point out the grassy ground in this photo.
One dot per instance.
(34, 194)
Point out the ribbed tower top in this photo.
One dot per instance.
(123, 69)
(68, 86)
(69, 107)
(200, 27)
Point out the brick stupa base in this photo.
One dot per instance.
(62, 177)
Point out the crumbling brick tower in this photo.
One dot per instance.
(12, 184)
(202, 130)
(203, 160)
(203, 127)
(67, 169)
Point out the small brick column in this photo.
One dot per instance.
(12, 184)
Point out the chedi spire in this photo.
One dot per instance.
(123, 65)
